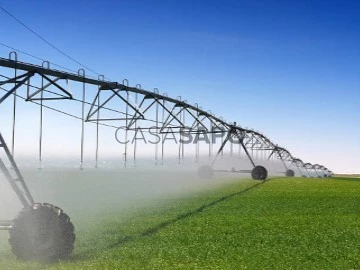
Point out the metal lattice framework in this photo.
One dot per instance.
(137, 109)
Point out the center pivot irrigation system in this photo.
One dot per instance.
(42, 231)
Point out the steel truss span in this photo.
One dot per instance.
(141, 109)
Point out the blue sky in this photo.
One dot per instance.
(290, 69)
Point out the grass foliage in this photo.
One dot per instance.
(279, 224)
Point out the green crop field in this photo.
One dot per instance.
(282, 223)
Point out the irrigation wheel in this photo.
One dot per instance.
(290, 173)
(205, 172)
(259, 173)
(42, 233)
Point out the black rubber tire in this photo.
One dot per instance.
(259, 173)
(205, 172)
(289, 173)
(42, 233)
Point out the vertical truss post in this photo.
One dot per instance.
(180, 134)
(138, 86)
(102, 78)
(162, 135)
(156, 91)
(211, 127)
(197, 141)
(41, 124)
(14, 104)
(126, 83)
(231, 148)
(222, 143)
(252, 142)
(183, 146)
(81, 72)
(41, 114)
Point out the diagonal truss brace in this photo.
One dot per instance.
(94, 108)
(279, 153)
(19, 81)
(240, 136)
(65, 93)
(16, 181)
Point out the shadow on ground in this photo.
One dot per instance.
(124, 239)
